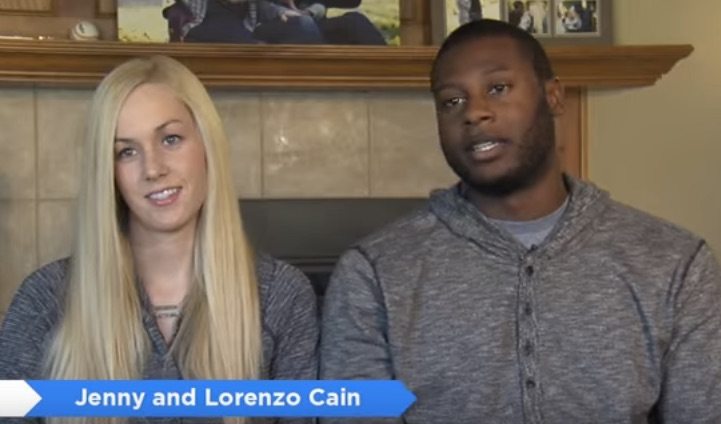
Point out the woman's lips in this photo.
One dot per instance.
(164, 197)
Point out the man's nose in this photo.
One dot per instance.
(478, 110)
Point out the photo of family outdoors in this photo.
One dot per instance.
(347, 22)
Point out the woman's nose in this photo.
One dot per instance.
(154, 164)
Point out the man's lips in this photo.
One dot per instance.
(485, 146)
(483, 149)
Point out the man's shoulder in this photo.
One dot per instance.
(644, 232)
(402, 234)
(619, 225)
(630, 218)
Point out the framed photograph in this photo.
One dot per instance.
(582, 22)
(142, 21)
(27, 7)
(447, 15)
(577, 18)
(553, 22)
(344, 22)
(384, 15)
(533, 16)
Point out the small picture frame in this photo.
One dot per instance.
(533, 16)
(582, 22)
(553, 22)
(577, 18)
(447, 15)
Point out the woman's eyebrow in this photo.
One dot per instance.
(157, 129)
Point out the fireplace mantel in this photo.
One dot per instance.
(70, 63)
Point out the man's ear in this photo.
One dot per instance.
(555, 96)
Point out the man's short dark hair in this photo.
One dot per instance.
(487, 28)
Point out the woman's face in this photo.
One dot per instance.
(160, 167)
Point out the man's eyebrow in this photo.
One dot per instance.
(440, 87)
(485, 70)
(494, 68)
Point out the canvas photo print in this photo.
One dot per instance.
(384, 15)
(142, 21)
(344, 22)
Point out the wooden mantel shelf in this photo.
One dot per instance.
(68, 63)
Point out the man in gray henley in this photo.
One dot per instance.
(522, 295)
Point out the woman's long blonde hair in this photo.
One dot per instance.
(101, 333)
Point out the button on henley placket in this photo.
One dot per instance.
(527, 339)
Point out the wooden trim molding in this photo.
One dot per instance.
(105, 7)
(63, 63)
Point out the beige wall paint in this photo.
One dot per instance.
(283, 145)
(659, 148)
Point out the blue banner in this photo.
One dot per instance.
(205, 398)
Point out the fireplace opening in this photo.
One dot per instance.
(312, 233)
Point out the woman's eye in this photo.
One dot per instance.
(497, 89)
(125, 152)
(171, 139)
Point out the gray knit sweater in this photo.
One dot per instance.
(289, 319)
(615, 318)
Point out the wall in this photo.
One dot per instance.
(659, 148)
(284, 145)
(656, 148)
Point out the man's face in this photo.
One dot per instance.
(495, 119)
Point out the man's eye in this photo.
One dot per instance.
(126, 152)
(452, 102)
(171, 139)
(497, 89)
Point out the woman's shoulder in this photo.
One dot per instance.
(42, 290)
(290, 320)
(281, 284)
(30, 319)
(276, 274)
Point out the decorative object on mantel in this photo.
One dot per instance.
(84, 31)
(553, 22)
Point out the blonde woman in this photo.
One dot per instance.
(161, 283)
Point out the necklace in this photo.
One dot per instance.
(166, 311)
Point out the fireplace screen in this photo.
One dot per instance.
(312, 233)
